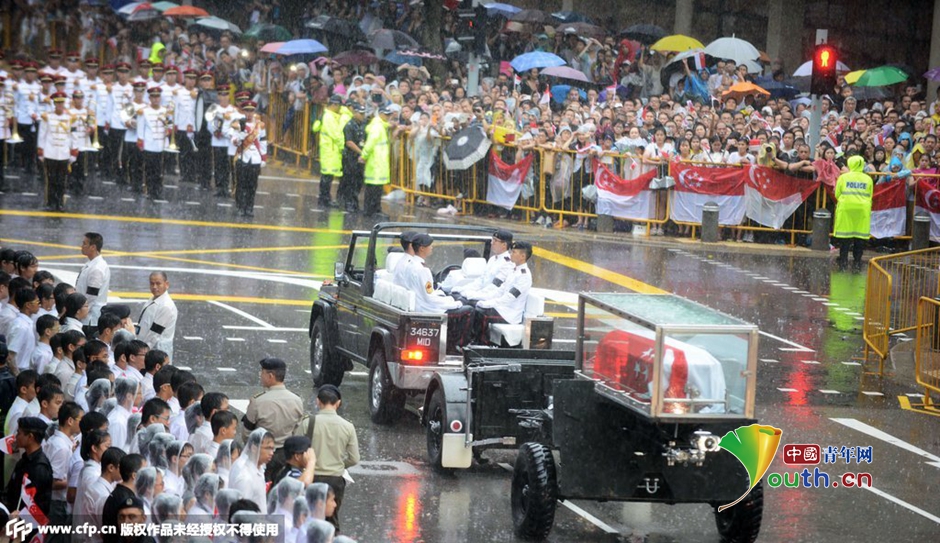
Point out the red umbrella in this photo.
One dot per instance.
(186, 11)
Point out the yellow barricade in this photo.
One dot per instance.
(927, 348)
(289, 129)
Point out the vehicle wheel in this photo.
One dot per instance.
(326, 369)
(741, 523)
(386, 403)
(533, 492)
(437, 425)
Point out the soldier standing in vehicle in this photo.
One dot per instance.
(355, 133)
(508, 306)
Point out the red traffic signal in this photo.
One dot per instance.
(825, 60)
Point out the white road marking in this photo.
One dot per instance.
(227, 369)
(272, 340)
(267, 328)
(96, 197)
(285, 208)
(109, 183)
(769, 360)
(235, 339)
(800, 292)
(30, 194)
(193, 338)
(830, 304)
(871, 393)
(791, 289)
(902, 503)
(760, 277)
(222, 204)
(259, 207)
(851, 363)
(813, 362)
(575, 509)
(263, 193)
(171, 187)
(818, 299)
(827, 391)
(854, 314)
(788, 342)
(241, 313)
(787, 389)
(859, 318)
(359, 373)
(161, 201)
(293, 195)
(888, 438)
(914, 395)
(128, 200)
(193, 203)
(294, 179)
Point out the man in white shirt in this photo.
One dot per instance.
(247, 473)
(94, 279)
(21, 338)
(157, 323)
(125, 392)
(498, 268)
(58, 449)
(211, 403)
(25, 394)
(153, 361)
(97, 493)
(509, 305)
(134, 356)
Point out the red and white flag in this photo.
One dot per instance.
(771, 196)
(889, 210)
(927, 200)
(696, 186)
(8, 444)
(624, 198)
(699, 61)
(546, 98)
(504, 182)
(30, 512)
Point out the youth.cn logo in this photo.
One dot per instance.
(17, 529)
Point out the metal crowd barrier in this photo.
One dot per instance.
(927, 348)
(289, 129)
(895, 284)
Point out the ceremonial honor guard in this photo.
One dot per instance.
(133, 161)
(73, 73)
(27, 95)
(55, 62)
(152, 130)
(56, 149)
(204, 100)
(251, 155)
(221, 123)
(81, 137)
(6, 117)
(122, 93)
(143, 72)
(185, 121)
(97, 93)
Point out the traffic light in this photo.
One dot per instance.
(466, 19)
(825, 59)
(479, 30)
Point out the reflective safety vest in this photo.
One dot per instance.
(854, 191)
(376, 153)
(332, 141)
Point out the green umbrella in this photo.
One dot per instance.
(881, 77)
(269, 32)
(163, 6)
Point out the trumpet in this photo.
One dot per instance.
(128, 113)
(11, 109)
(213, 116)
(257, 127)
(767, 154)
(93, 123)
(171, 115)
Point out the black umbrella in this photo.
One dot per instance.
(385, 38)
(355, 57)
(467, 147)
(337, 26)
(532, 16)
(777, 89)
(644, 33)
(572, 17)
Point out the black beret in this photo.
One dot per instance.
(273, 364)
(296, 445)
(332, 388)
(33, 424)
(132, 502)
(422, 240)
(503, 235)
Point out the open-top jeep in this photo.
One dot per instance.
(362, 316)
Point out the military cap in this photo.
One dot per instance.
(158, 67)
(139, 85)
(46, 77)
(171, 69)
(422, 240)
(74, 56)
(107, 69)
(336, 99)
(190, 73)
(205, 75)
(145, 62)
(59, 97)
(155, 91)
(123, 67)
(55, 53)
(92, 62)
(77, 93)
(33, 424)
(296, 445)
(224, 88)
(250, 105)
(273, 364)
(132, 502)
(333, 388)
(31, 67)
(503, 235)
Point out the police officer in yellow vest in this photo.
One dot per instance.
(854, 191)
(375, 155)
(332, 142)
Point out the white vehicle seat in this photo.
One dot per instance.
(513, 334)
(398, 297)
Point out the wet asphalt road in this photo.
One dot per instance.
(244, 292)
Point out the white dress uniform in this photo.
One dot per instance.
(185, 109)
(498, 268)
(119, 97)
(169, 93)
(93, 282)
(56, 140)
(222, 125)
(27, 102)
(73, 80)
(157, 324)
(100, 94)
(419, 280)
(398, 274)
(151, 128)
(130, 137)
(79, 127)
(510, 303)
(5, 102)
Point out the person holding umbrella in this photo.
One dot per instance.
(375, 155)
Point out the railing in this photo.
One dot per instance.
(927, 348)
(289, 129)
(895, 284)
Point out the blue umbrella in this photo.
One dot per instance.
(560, 93)
(777, 89)
(301, 47)
(398, 60)
(501, 10)
(535, 59)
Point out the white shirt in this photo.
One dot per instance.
(71, 324)
(201, 438)
(157, 324)
(17, 408)
(22, 340)
(56, 138)
(178, 427)
(58, 449)
(510, 303)
(173, 484)
(418, 279)
(248, 478)
(146, 383)
(498, 268)
(95, 495)
(8, 313)
(117, 427)
(93, 282)
(90, 472)
(65, 371)
(42, 355)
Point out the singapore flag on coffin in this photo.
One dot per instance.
(928, 202)
(623, 198)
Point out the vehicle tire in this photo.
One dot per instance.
(386, 403)
(437, 425)
(741, 523)
(534, 491)
(325, 369)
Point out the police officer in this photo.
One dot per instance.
(152, 127)
(332, 142)
(351, 184)
(251, 155)
(417, 278)
(276, 409)
(375, 155)
(509, 304)
(498, 269)
(852, 227)
(56, 148)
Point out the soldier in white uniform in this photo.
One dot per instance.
(221, 126)
(185, 121)
(249, 138)
(156, 325)
(133, 148)
(5, 102)
(56, 149)
(498, 268)
(143, 72)
(81, 133)
(418, 279)
(509, 305)
(121, 94)
(27, 95)
(72, 72)
(97, 93)
(152, 130)
(94, 279)
(55, 62)
(92, 77)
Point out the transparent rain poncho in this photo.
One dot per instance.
(156, 450)
(246, 476)
(145, 483)
(125, 391)
(108, 405)
(207, 486)
(144, 437)
(194, 469)
(319, 531)
(166, 507)
(97, 394)
(193, 418)
(229, 451)
(223, 503)
(300, 514)
(316, 500)
(173, 479)
(281, 502)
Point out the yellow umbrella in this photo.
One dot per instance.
(676, 44)
(852, 77)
